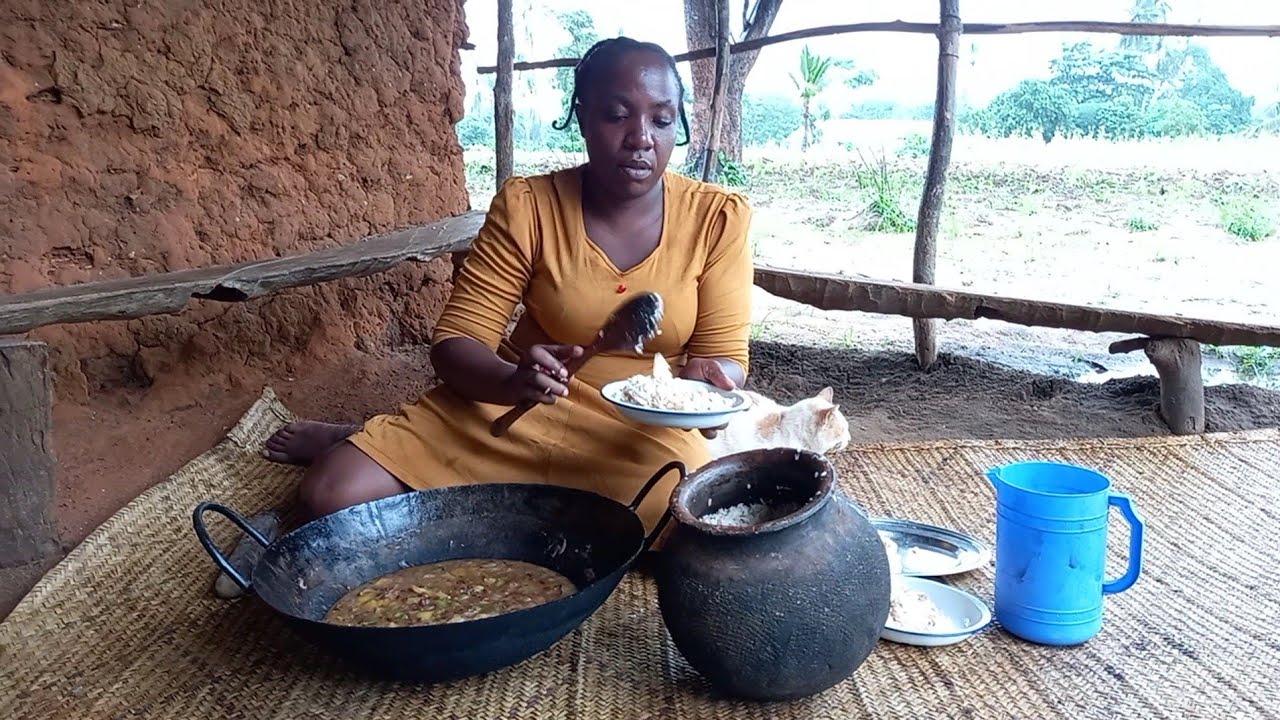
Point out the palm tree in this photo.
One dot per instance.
(811, 81)
(1147, 11)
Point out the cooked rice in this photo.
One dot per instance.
(662, 391)
(749, 514)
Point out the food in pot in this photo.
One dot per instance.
(663, 391)
(754, 513)
(449, 591)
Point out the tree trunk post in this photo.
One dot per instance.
(1178, 362)
(710, 164)
(28, 534)
(944, 120)
(503, 110)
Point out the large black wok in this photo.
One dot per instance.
(586, 537)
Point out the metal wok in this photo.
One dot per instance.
(589, 538)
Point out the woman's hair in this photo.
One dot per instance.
(599, 59)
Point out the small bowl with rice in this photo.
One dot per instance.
(667, 401)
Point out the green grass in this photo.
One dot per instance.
(1257, 362)
(1246, 219)
(1139, 224)
(885, 187)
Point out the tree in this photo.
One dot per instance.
(582, 31)
(1146, 11)
(1268, 119)
(1116, 94)
(769, 119)
(811, 81)
(701, 32)
(1226, 109)
(1034, 107)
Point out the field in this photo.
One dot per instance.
(1186, 227)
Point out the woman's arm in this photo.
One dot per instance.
(492, 283)
(718, 348)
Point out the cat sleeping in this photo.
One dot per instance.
(815, 424)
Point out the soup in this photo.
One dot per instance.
(449, 591)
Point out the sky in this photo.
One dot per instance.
(905, 63)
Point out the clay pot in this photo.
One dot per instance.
(779, 609)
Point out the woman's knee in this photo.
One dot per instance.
(343, 477)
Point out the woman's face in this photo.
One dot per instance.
(628, 122)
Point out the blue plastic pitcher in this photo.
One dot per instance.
(1051, 550)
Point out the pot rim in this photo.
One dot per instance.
(826, 488)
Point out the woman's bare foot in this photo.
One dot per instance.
(300, 443)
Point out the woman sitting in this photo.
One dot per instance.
(571, 246)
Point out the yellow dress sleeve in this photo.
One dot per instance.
(723, 328)
(496, 273)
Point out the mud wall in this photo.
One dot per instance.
(145, 136)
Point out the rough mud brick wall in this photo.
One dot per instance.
(142, 136)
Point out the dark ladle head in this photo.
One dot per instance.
(634, 323)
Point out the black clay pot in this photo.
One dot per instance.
(781, 609)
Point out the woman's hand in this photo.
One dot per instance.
(708, 370)
(541, 376)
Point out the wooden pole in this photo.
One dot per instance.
(503, 110)
(1057, 26)
(28, 536)
(718, 90)
(935, 182)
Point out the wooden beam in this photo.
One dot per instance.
(935, 182)
(709, 161)
(899, 26)
(28, 534)
(836, 292)
(503, 107)
(170, 292)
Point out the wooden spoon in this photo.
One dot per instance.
(634, 323)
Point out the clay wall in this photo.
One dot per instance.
(145, 136)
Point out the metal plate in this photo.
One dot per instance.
(931, 551)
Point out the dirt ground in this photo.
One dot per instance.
(118, 446)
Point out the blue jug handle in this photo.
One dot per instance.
(1120, 584)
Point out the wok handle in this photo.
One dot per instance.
(644, 492)
(197, 519)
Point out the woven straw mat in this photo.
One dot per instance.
(126, 626)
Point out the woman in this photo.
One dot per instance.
(570, 245)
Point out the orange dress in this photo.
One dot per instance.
(533, 248)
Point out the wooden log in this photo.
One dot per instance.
(503, 107)
(28, 534)
(709, 160)
(899, 26)
(835, 292)
(170, 292)
(935, 181)
(1178, 364)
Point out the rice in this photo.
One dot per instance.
(662, 391)
(749, 514)
(911, 609)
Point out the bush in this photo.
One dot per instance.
(1246, 220)
(770, 119)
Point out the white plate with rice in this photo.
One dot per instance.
(932, 614)
(666, 401)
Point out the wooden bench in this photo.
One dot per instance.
(28, 543)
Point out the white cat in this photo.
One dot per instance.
(815, 424)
